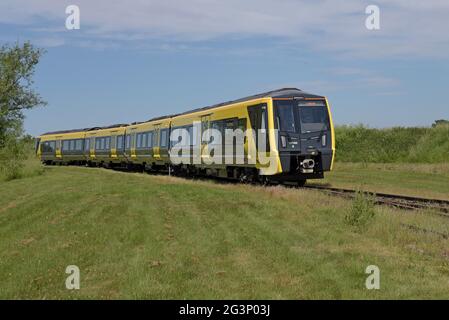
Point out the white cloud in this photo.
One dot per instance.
(409, 28)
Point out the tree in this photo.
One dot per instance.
(17, 66)
(440, 122)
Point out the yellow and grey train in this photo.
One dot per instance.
(297, 128)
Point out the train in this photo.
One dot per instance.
(285, 135)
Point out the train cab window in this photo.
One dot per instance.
(97, 143)
(102, 142)
(285, 116)
(164, 138)
(313, 116)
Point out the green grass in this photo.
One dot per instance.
(421, 180)
(141, 236)
(393, 145)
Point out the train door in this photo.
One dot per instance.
(133, 145)
(156, 142)
(205, 125)
(92, 147)
(229, 151)
(86, 148)
(58, 152)
(113, 145)
(258, 116)
(127, 149)
(164, 143)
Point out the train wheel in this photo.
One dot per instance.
(301, 183)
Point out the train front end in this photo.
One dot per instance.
(306, 141)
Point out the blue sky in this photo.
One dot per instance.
(133, 60)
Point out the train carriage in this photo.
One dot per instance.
(60, 147)
(147, 144)
(104, 146)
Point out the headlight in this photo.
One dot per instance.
(283, 142)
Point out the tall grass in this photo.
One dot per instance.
(393, 145)
(18, 160)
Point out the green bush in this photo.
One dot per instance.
(362, 210)
(12, 156)
(392, 145)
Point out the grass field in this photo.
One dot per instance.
(421, 180)
(141, 236)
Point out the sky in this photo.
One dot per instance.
(134, 60)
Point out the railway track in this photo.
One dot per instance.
(441, 207)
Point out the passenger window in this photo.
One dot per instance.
(144, 140)
(119, 142)
(219, 126)
(154, 138)
(263, 125)
(163, 138)
(128, 142)
(242, 124)
(192, 138)
(139, 140)
(79, 145)
(107, 143)
(86, 144)
(150, 140)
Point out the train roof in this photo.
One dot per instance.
(279, 93)
(85, 129)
